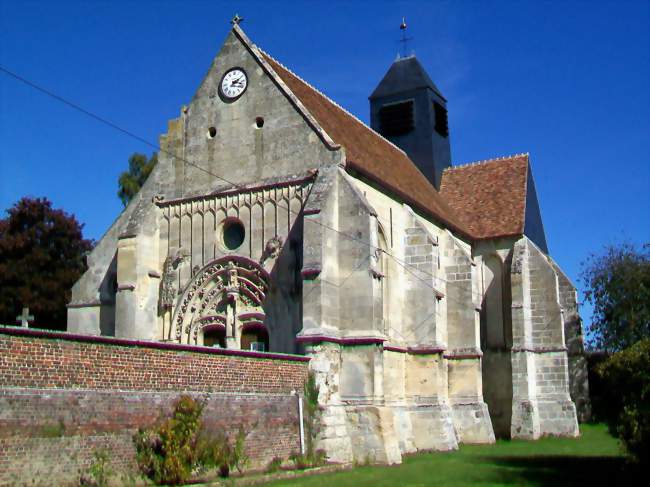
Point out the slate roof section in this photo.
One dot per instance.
(489, 196)
(405, 74)
(368, 153)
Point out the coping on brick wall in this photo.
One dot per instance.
(123, 342)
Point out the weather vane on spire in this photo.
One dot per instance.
(404, 40)
(236, 20)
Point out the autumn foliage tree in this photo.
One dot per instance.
(42, 254)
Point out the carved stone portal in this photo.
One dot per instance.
(228, 292)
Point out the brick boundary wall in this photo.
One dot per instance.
(63, 396)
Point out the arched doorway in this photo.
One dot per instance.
(255, 336)
(214, 335)
(217, 297)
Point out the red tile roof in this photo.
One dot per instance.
(489, 196)
(479, 201)
(370, 154)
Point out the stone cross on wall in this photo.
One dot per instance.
(25, 318)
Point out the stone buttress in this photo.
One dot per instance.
(541, 402)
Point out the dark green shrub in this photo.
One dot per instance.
(168, 453)
(626, 375)
(598, 390)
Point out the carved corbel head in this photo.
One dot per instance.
(272, 249)
(180, 256)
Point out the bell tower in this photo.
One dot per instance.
(409, 110)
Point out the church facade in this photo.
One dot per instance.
(277, 221)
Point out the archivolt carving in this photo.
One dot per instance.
(219, 292)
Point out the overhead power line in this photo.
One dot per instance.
(157, 147)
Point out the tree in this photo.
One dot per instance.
(42, 254)
(618, 286)
(626, 375)
(132, 180)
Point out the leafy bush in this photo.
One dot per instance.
(308, 460)
(274, 465)
(99, 472)
(53, 430)
(299, 461)
(311, 457)
(218, 452)
(312, 409)
(627, 376)
(168, 454)
(180, 446)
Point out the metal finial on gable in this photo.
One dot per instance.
(236, 20)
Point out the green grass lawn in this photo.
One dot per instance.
(593, 459)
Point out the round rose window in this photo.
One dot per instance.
(233, 234)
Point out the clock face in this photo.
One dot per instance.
(233, 83)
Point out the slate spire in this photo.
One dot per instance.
(405, 74)
(407, 108)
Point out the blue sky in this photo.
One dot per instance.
(568, 82)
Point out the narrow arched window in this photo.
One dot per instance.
(383, 267)
(492, 316)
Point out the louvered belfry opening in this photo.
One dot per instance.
(441, 123)
(396, 118)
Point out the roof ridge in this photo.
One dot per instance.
(332, 102)
(486, 161)
(258, 54)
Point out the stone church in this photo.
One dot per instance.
(276, 221)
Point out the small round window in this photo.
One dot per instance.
(233, 234)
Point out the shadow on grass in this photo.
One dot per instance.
(564, 470)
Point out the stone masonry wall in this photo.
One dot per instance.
(557, 413)
(578, 370)
(470, 412)
(62, 397)
(541, 401)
